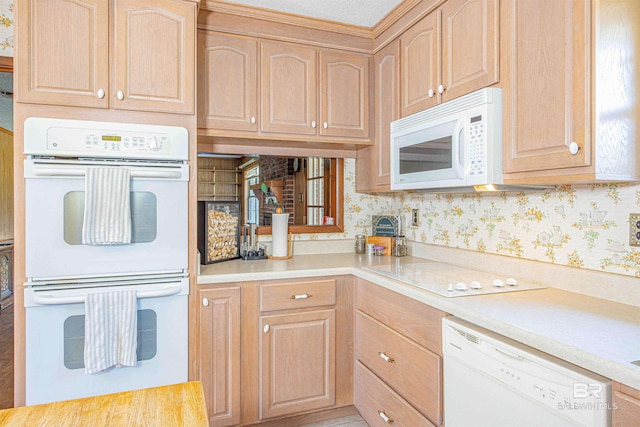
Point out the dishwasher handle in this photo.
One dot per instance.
(53, 300)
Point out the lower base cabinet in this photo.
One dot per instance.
(380, 406)
(626, 406)
(399, 358)
(297, 355)
(219, 339)
(268, 350)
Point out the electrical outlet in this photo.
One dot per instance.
(415, 218)
(634, 229)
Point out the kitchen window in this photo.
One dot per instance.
(252, 207)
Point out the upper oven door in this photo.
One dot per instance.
(429, 155)
(54, 202)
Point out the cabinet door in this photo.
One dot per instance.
(420, 64)
(373, 163)
(344, 94)
(546, 93)
(219, 337)
(288, 88)
(470, 50)
(227, 82)
(64, 52)
(297, 356)
(154, 55)
(626, 406)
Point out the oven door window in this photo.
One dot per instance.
(74, 338)
(428, 150)
(144, 214)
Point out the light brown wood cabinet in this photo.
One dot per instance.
(452, 51)
(373, 164)
(398, 344)
(568, 103)
(626, 406)
(219, 341)
(65, 46)
(309, 91)
(227, 81)
(268, 350)
(297, 349)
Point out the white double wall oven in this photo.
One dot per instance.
(61, 271)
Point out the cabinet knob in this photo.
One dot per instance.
(385, 417)
(386, 357)
(440, 89)
(253, 120)
(120, 95)
(100, 93)
(266, 328)
(205, 302)
(313, 124)
(431, 93)
(325, 125)
(574, 148)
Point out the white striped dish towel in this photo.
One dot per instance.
(110, 330)
(107, 210)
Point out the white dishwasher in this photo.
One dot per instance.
(492, 381)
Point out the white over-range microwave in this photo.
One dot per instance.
(457, 144)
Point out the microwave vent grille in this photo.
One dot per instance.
(480, 97)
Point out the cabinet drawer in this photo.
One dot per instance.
(412, 371)
(376, 401)
(285, 296)
(411, 318)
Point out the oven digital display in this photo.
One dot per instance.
(111, 138)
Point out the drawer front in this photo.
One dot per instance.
(412, 371)
(380, 406)
(285, 296)
(411, 318)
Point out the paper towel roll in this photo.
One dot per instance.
(279, 234)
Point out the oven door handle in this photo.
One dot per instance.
(53, 300)
(168, 174)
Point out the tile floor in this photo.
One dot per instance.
(350, 421)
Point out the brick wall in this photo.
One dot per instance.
(272, 167)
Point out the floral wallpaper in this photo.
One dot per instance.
(584, 226)
(6, 27)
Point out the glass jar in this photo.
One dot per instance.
(400, 247)
(378, 250)
(369, 248)
(360, 243)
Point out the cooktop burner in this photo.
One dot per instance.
(451, 281)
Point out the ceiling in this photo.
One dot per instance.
(364, 13)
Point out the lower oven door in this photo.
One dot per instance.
(55, 343)
(54, 209)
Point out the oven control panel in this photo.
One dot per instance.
(77, 138)
(95, 142)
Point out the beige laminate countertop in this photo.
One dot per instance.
(599, 335)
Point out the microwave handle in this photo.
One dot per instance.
(458, 147)
(62, 172)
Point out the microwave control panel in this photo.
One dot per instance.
(476, 146)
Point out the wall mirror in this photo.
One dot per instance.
(309, 189)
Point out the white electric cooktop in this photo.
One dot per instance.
(451, 281)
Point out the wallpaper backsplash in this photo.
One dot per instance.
(6, 27)
(583, 226)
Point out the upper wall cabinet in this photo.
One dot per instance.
(227, 82)
(289, 88)
(294, 88)
(373, 165)
(304, 92)
(450, 52)
(64, 54)
(571, 98)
